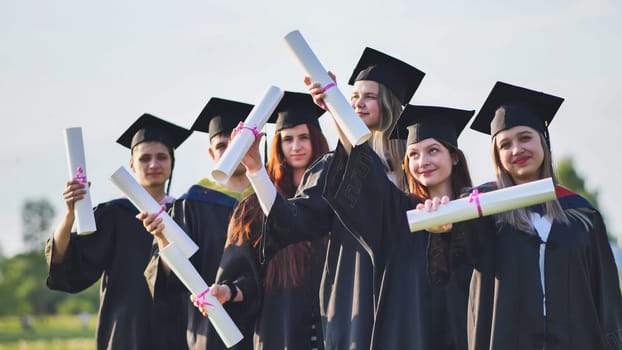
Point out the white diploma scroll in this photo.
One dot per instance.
(144, 202)
(489, 203)
(190, 277)
(352, 126)
(256, 119)
(76, 161)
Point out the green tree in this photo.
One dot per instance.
(569, 177)
(37, 216)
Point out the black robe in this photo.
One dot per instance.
(118, 252)
(410, 313)
(287, 314)
(346, 289)
(203, 213)
(583, 302)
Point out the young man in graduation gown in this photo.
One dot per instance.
(121, 248)
(203, 213)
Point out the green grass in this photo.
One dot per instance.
(48, 332)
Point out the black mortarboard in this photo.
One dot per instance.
(521, 106)
(150, 128)
(400, 77)
(295, 108)
(220, 115)
(418, 123)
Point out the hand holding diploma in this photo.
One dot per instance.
(246, 134)
(154, 224)
(145, 203)
(220, 291)
(76, 161)
(483, 204)
(432, 205)
(352, 126)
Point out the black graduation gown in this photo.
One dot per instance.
(287, 314)
(346, 289)
(410, 314)
(118, 252)
(583, 302)
(203, 213)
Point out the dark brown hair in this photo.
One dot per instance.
(460, 176)
(286, 268)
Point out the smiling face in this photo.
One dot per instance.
(151, 162)
(364, 100)
(520, 152)
(296, 146)
(430, 164)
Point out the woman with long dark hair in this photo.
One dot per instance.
(283, 282)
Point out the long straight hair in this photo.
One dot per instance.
(460, 176)
(519, 218)
(286, 269)
(389, 151)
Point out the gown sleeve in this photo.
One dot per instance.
(365, 200)
(86, 257)
(306, 216)
(239, 264)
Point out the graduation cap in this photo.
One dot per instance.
(150, 128)
(220, 115)
(508, 106)
(295, 108)
(418, 123)
(400, 77)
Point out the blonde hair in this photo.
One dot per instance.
(391, 152)
(519, 218)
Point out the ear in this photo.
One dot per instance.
(454, 159)
(211, 153)
(132, 164)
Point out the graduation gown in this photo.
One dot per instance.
(346, 288)
(118, 252)
(203, 212)
(506, 308)
(410, 314)
(287, 314)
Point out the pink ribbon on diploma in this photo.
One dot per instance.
(200, 300)
(160, 212)
(241, 127)
(474, 197)
(80, 175)
(324, 90)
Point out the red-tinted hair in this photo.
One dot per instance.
(287, 267)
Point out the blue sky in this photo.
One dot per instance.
(101, 65)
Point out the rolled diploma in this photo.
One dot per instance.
(144, 202)
(353, 127)
(258, 117)
(83, 209)
(493, 202)
(190, 277)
